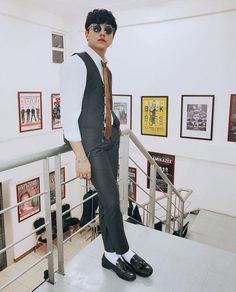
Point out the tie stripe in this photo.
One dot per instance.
(107, 133)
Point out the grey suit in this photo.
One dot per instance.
(103, 156)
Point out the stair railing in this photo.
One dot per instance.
(174, 206)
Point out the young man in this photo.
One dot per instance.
(86, 116)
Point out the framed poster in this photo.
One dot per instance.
(154, 115)
(25, 190)
(56, 110)
(167, 164)
(53, 186)
(197, 116)
(30, 111)
(232, 119)
(132, 188)
(122, 106)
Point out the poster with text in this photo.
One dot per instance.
(56, 110)
(30, 111)
(167, 164)
(154, 115)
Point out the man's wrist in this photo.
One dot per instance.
(81, 159)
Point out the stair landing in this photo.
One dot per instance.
(180, 265)
(215, 229)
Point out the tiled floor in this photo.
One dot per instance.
(207, 227)
(179, 265)
(34, 277)
(214, 229)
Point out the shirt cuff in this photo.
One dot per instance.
(74, 137)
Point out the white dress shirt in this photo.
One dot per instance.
(73, 77)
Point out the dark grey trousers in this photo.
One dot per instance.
(104, 166)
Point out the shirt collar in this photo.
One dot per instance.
(96, 58)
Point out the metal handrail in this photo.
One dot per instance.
(21, 203)
(140, 205)
(146, 193)
(79, 204)
(20, 162)
(57, 151)
(173, 206)
(140, 168)
(151, 160)
(26, 270)
(34, 157)
(81, 229)
(23, 238)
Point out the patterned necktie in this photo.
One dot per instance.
(107, 133)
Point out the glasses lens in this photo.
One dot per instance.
(108, 29)
(96, 28)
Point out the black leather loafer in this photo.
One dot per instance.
(140, 267)
(121, 269)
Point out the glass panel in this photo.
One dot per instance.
(57, 41)
(57, 56)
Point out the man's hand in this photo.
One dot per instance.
(83, 169)
(82, 164)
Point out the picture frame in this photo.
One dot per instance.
(197, 113)
(122, 106)
(132, 187)
(154, 115)
(56, 110)
(167, 164)
(53, 186)
(26, 190)
(232, 119)
(30, 111)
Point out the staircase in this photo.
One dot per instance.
(214, 229)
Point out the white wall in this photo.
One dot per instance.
(26, 65)
(181, 47)
(189, 56)
(162, 55)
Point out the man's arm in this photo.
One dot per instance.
(83, 167)
(73, 81)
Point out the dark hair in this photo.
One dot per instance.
(100, 16)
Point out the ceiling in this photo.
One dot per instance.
(78, 8)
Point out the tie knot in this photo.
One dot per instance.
(104, 64)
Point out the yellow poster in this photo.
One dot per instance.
(154, 115)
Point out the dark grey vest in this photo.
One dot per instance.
(91, 119)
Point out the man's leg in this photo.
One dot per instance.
(111, 220)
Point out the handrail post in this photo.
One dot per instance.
(168, 213)
(124, 173)
(152, 195)
(49, 220)
(181, 216)
(60, 246)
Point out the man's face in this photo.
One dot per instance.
(99, 40)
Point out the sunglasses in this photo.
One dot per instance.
(109, 29)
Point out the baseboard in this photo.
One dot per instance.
(23, 255)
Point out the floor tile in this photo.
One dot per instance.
(180, 265)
